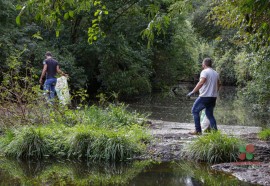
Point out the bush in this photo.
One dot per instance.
(264, 134)
(213, 148)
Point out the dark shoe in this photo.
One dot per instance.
(195, 133)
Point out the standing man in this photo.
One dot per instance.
(208, 87)
(50, 68)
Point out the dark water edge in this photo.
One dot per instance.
(136, 173)
(230, 109)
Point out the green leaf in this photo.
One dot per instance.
(96, 3)
(18, 7)
(93, 21)
(57, 33)
(97, 12)
(71, 13)
(18, 20)
(37, 36)
(94, 25)
(106, 12)
(66, 16)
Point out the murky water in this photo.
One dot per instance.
(137, 173)
(230, 110)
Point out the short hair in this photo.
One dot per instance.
(207, 62)
(48, 54)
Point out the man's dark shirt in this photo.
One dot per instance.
(51, 68)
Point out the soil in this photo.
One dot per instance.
(169, 138)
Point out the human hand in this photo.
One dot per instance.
(40, 81)
(189, 94)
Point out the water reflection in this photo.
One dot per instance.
(135, 173)
(230, 110)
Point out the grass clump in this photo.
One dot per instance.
(264, 134)
(213, 148)
(25, 143)
(89, 140)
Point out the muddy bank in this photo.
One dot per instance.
(169, 138)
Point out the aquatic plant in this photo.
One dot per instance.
(264, 134)
(213, 148)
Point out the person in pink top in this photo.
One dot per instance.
(208, 87)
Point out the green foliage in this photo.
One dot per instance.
(213, 148)
(125, 70)
(202, 26)
(97, 134)
(253, 71)
(19, 96)
(264, 134)
(225, 66)
(251, 17)
(56, 13)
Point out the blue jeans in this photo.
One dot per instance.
(49, 87)
(208, 103)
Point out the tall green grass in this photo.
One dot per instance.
(25, 143)
(264, 134)
(101, 135)
(213, 148)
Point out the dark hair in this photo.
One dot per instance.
(207, 62)
(48, 54)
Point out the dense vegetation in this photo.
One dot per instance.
(135, 47)
(126, 49)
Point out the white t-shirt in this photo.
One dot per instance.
(210, 87)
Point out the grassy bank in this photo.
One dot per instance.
(92, 133)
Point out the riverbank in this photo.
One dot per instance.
(169, 138)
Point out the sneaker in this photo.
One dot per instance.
(195, 133)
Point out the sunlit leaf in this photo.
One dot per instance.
(18, 20)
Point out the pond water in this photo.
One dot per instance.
(230, 110)
(137, 173)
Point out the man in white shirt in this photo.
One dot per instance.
(208, 87)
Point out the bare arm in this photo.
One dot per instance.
(44, 70)
(60, 71)
(199, 85)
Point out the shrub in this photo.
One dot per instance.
(264, 134)
(213, 148)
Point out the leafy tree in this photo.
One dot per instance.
(251, 19)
